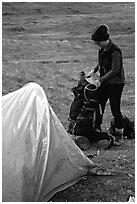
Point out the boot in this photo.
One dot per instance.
(120, 133)
(118, 136)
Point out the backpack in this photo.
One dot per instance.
(90, 110)
(85, 125)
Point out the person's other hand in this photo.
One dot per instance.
(97, 83)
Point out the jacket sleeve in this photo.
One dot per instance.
(115, 67)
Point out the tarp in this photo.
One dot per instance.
(39, 158)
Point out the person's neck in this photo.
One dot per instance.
(106, 45)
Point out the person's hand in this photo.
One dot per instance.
(90, 74)
(87, 76)
(97, 83)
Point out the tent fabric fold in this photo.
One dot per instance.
(39, 158)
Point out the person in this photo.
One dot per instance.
(112, 77)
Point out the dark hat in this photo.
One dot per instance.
(101, 33)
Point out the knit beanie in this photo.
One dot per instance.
(101, 33)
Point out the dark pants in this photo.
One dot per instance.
(113, 93)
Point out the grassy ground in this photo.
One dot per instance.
(49, 43)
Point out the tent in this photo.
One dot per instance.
(39, 158)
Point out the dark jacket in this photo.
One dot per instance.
(111, 65)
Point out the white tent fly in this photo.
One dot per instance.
(39, 158)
